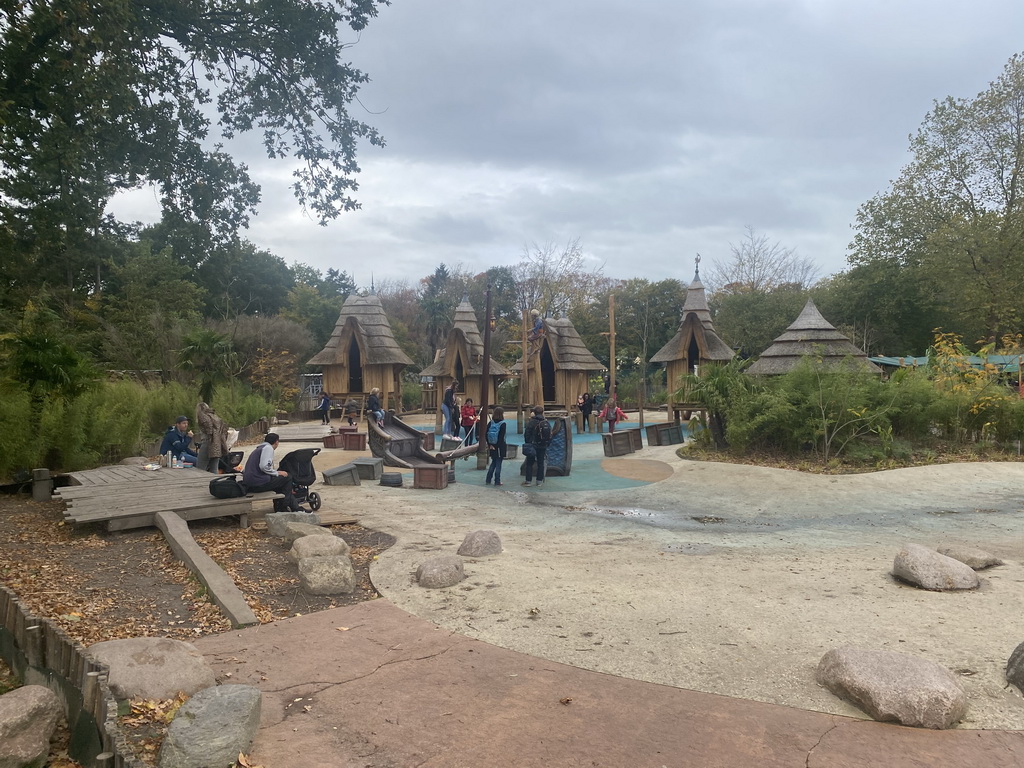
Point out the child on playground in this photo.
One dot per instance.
(612, 414)
(468, 421)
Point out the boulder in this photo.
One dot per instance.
(892, 686)
(978, 559)
(277, 520)
(28, 718)
(153, 667)
(212, 728)
(332, 575)
(318, 546)
(1015, 668)
(480, 544)
(927, 569)
(440, 571)
(293, 531)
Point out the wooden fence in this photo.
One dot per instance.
(40, 653)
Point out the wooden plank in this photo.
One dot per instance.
(336, 518)
(182, 507)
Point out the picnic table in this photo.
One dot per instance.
(128, 496)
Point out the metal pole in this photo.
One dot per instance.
(485, 389)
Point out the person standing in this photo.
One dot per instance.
(449, 409)
(178, 440)
(496, 445)
(612, 414)
(538, 435)
(214, 436)
(325, 408)
(259, 474)
(468, 421)
(586, 406)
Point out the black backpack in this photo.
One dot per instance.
(538, 432)
(227, 487)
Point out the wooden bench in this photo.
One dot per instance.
(126, 497)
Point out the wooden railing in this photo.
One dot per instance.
(40, 653)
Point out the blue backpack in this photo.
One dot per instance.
(492, 432)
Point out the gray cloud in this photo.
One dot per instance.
(649, 130)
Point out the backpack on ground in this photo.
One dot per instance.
(226, 487)
(492, 432)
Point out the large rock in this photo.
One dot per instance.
(318, 546)
(28, 718)
(293, 531)
(153, 667)
(212, 728)
(893, 686)
(927, 569)
(480, 544)
(276, 521)
(327, 575)
(440, 571)
(1015, 668)
(978, 559)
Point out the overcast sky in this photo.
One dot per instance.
(650, 130)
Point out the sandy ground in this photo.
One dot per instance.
(719, 578)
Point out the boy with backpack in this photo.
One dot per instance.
(496, 446)
(536, 438)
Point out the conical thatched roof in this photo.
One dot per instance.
(696, 321)
(464, 330)
(567, 348)
(811, 334)
(365, 315)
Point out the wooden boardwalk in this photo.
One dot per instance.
(126, 496)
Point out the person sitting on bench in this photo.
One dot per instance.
(259, 474)
(178, 440)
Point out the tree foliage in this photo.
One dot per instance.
(759, 266)
(98, 96)
(955, 215)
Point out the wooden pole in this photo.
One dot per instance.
(611, 344)
(485, 390)
(524, 376)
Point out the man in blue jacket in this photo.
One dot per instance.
(178, 440)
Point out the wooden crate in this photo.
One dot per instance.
(353, 441)
(344, 428)
(664, 434)
(635, 436)
(346, 474)
(617, 443)
(369, 469)
(428, 441)
(332, 441)
(433, 477)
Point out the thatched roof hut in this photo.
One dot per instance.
(362, 353)
(696, 343)
(462, 358)
(561, 368)
(811, 334)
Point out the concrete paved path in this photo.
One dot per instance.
(375, 687)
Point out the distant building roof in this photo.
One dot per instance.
(465, 327)
(371, 323)
(695, 309)
(810, 334)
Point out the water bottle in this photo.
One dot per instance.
(170, 462)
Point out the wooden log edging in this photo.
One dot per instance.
(40, 653)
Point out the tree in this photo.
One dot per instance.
(750, 320)
(759, 266)
(555, 281)
(955, 214)
(102, 96)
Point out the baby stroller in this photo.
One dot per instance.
(299, 466)
(228, 462)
